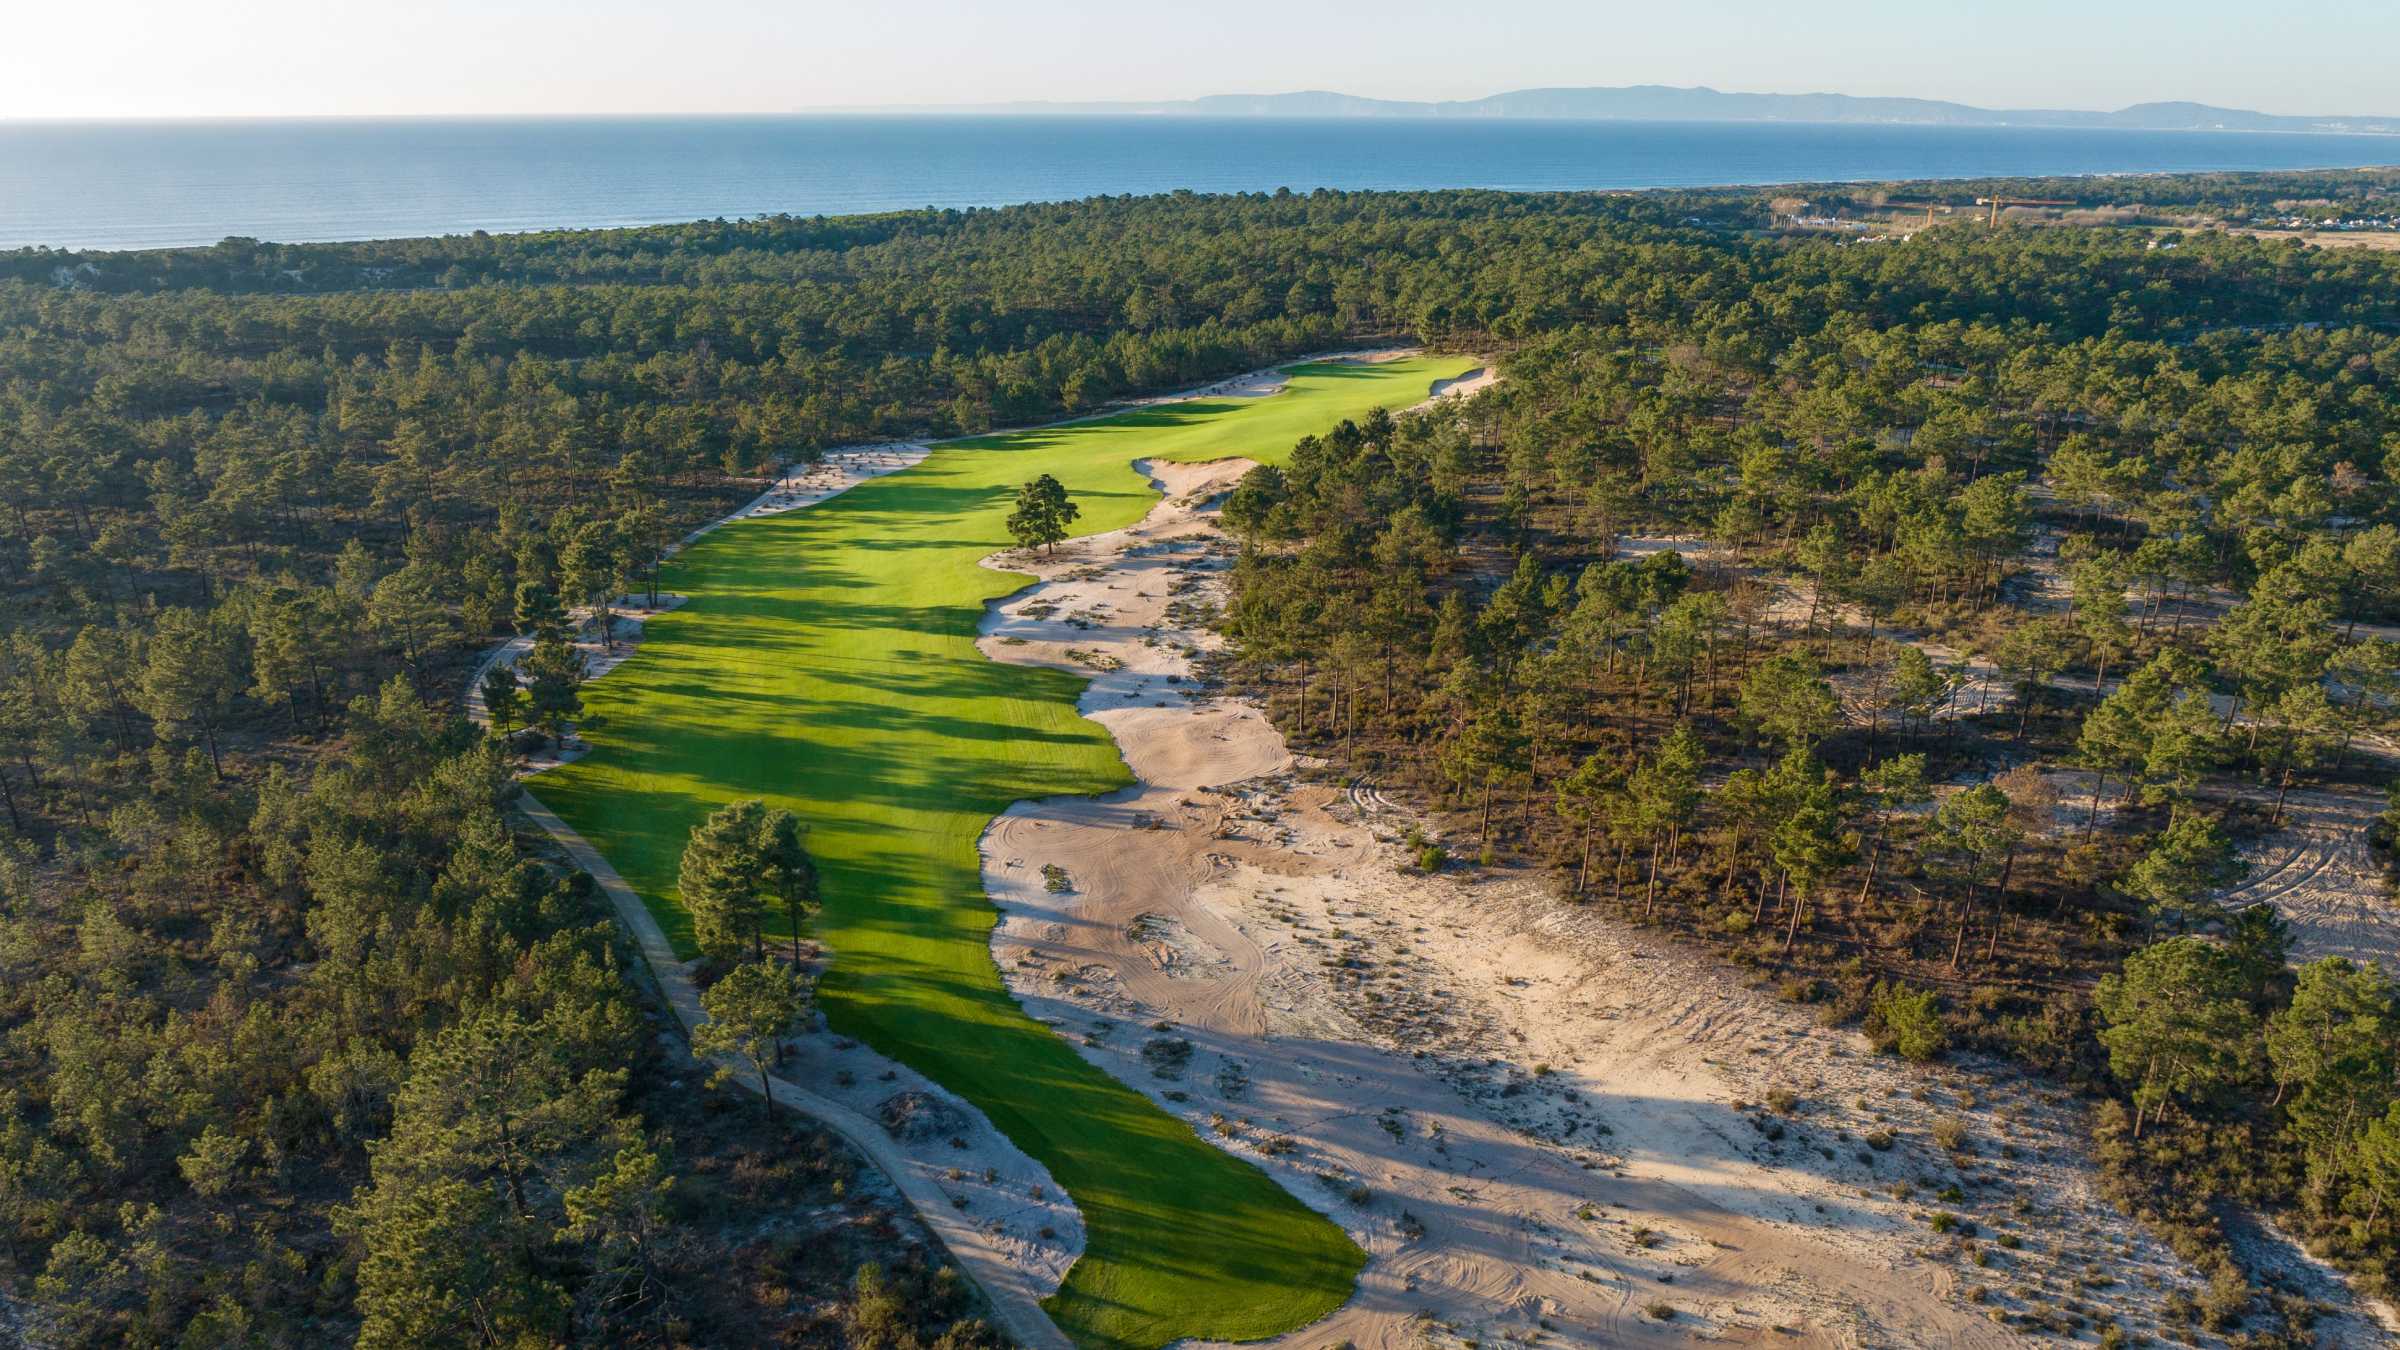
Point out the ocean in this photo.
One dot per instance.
(121, 185)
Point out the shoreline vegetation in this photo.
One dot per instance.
(1976, 627)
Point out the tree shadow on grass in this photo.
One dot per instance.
(1183, 1239)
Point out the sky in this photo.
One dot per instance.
(234, 58)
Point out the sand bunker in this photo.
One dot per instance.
(1460, 386)
(1529, 1115)
(998, 1212)
(627, 623)
(1271, 379)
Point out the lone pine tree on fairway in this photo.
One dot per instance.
(880, 588)
(1043, 514)
(738, 858)
(303, 1036)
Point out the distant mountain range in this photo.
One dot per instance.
(1662, 103)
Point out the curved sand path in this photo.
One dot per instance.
(1017, 1233)
(1013, 1287)
(1537, 1121)
(1012, 1255)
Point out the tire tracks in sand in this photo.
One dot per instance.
(1529, 1116)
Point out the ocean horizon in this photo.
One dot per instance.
(156, 184)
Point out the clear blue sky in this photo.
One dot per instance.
(169, 58)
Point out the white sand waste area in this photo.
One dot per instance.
(1270, 379)
(1460, 386)
(834, 472)
(2322, 875)
(1529, 1114)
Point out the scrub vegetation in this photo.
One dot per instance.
(1953, 657)
(826, 664)
(275, 964)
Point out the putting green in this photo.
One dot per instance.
(826, 662)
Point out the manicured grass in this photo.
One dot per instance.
(826, 662)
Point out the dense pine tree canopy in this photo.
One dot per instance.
(277, 977)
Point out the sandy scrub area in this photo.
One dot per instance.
(2318, 870)
(2323, 876)
(1978, 686)
(1530, 1115)
(2373, 240)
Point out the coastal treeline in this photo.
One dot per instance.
(302, 1040)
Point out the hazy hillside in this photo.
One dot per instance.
(1650, 102)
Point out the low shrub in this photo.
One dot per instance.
(1906, 1021)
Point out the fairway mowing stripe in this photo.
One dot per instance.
(826, 663)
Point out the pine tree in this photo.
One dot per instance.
(1786, 699)
(2030, 654)
(1972, 831)
(788, 871)
(2335, 1051)
(2190, 859)
(592, 568)
(502, 696)
(750, 1011)
(553, 681)
(1892, 786)
(2379, 1162)
(191, 676)
(620, 1218)
(2298, 731)
(1043, 514)
(538, 611)
(1810, 846)
(495, 1125)
(1663, 794)
(1919, 688)
(2175, 1024)
(1583, 799)
(2098, 585)
(723, 882)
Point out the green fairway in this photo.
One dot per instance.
(826, 662)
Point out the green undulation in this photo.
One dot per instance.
(826, 663)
